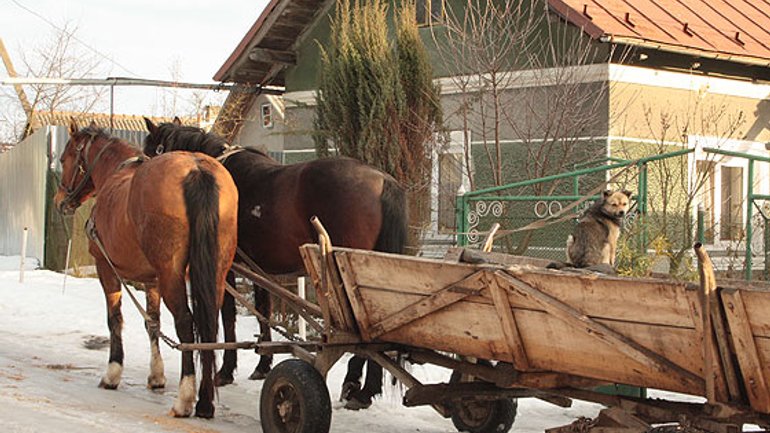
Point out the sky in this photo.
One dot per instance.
(143, 38)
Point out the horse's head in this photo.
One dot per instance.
(174, 136)
(75, 185)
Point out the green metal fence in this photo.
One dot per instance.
(518, 204)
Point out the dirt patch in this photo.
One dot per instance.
(96, 342)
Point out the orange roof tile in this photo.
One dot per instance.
(736, 30)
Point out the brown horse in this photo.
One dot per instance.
(155, 220)
(360, 206)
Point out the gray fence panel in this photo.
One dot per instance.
(22, 195)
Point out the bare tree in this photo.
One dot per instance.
(524, 92)
(58, 57)
(679, 184)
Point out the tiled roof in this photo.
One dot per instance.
(737, 30)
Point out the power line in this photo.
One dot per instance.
(72, 35)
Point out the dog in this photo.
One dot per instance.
(594, 240)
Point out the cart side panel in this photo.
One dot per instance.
(653, 317)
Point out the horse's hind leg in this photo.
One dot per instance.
(230, 359)
(112, 295)
(264, 305)
(156, 379)
(174, 293)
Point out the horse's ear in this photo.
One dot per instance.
(177, 121)
(73, 126)
(151, 127)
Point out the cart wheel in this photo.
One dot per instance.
(482, 416)
(295, 400)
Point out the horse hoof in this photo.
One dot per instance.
(179, 413)
(104, 385)
(358, 401)
(258, 375)
(153, 383)
(204, 410)
(223, 379)
(348, 388)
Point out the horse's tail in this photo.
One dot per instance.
(201, 195)
(393, 231)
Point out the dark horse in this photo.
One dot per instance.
(361, 207)
(152, 221)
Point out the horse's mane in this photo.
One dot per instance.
(191, 139)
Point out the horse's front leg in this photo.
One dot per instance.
(230, 359)
(264, 305)
(156, 379)
(112, 294)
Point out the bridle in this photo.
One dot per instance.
(73, 191)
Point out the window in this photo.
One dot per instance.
(731, 222)
(267, 115)
(429, 11)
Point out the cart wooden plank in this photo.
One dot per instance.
(746, 350)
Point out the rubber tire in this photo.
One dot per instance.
(497, 416)
(298, 384)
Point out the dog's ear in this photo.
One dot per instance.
(627, 193)
(606, 193)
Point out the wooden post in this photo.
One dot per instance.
(302, 324)
(23, 254)
(66, 265)
(708, 287)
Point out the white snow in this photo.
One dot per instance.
(48, 379)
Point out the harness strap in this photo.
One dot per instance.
(230, 151)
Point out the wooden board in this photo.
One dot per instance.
(645, 332)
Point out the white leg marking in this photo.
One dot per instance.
(183, 406)
(112, 376)
(156, 379)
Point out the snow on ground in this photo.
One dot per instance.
(48, 379)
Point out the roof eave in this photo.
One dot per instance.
(644, 43)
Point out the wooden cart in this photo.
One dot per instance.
(509, 328)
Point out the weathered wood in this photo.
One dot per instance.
(312, 260)
(708, 341)
(482, 391)
(266, 55)
(746, 350)
(605, 297)
(470, 285)
(695, 299)
(353, 296)
(337, 277)
(601, 332)
(508, 322)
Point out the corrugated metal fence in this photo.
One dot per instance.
(29, 175)
(23, 172)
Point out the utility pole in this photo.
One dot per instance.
(12, 73)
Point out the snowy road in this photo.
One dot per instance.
(48, 378)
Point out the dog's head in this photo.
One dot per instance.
(616, 203)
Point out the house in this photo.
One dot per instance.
(643, 77)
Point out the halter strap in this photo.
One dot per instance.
(72, 193)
